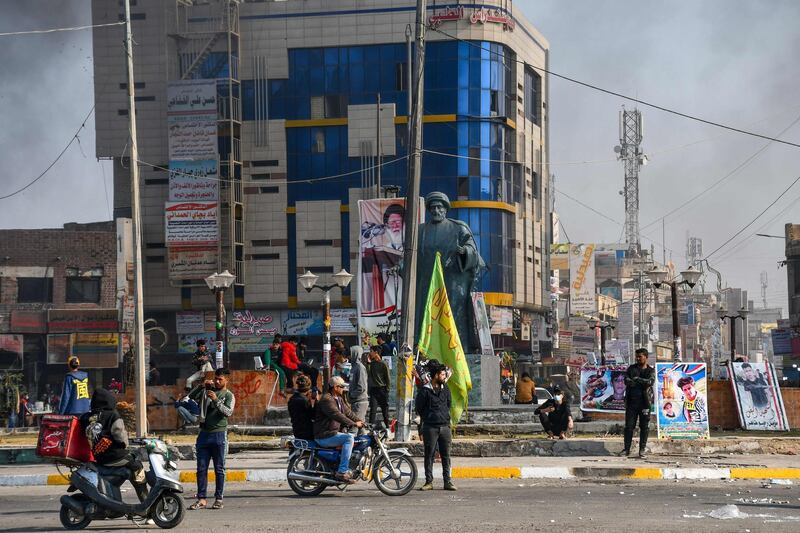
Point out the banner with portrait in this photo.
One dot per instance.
(379, 281)
(758, 397)
(681, 397)
(603, 388)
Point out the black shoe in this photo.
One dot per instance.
(623, 453)
(449, 486)
(642, 453)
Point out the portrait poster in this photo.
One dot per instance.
(758, 397)
(681, 398)
(603, 388)
(379, 282)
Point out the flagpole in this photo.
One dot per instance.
(407, 319)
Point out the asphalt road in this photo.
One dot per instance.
(479, 505)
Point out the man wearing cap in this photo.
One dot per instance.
(555, 416)
(461, 263)
(75, 398)
(331, 415)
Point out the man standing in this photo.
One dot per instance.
(639, 379)
(433, 406)
(75, 393)
(201, 362)
(555, 416)
(331, 415)
(384, 347)
(216, 405)
(378, 383)
(357, 392)
(301, 409)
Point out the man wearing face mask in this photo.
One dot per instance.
(555, 416)
(639, 379)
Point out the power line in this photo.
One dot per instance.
(620, 95)
(53, 30)
(756, 218)
(51, 165)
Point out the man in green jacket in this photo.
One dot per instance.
(216, 405)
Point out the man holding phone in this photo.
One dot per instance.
(216, 405)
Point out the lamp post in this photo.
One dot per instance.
(309, 282)
(218, 283)
(658, 276)
(603, 326)
(722, 313)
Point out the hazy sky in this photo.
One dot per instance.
(731, 61)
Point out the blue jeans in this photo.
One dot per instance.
(186, 415)
(345, 440)
(211, 446)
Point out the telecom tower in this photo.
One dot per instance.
(764, 289)
(694, 250)
(630, 153)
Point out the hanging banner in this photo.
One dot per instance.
(191, 223)
(252, 331)
(603, 388)
(482, 322)
(344, 322)
(192, 262)
(758, 397)
(193, 181)
(189, 322)
(192, 97)
(624, 329)
(681, 398)
(192, 137)
(582, 297)
(379, 280)
(503, 320)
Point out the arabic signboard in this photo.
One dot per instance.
(192, 262)
(189, 322)
(96, 350)
(681, 399)
(192, 137)
(191, 223)
(193, 181)
(191, 97)
(342, 321)
(252, 331)
(503, 320)
(28, 322)
(302, 322)
(187, 343)
(582, 297)
(758, 397)
(82, 320)
(477, 15)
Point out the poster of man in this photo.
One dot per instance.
(758, 397)
(681, 401)
(603, 388)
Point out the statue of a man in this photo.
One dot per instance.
(461, 263)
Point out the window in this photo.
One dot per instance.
(256, 177)
(156, 181)
(317, 107)
(154, 259)
(35, 290)
(316, 269)
(533, 95)
(263, 257)
(154, 245)
(463, 187)
(401, 76)
(264, 163)
(474, 161)
(136, 85)
(122, 112)
(319, 242)
(265, 242)
(144, 98)
(318, 142)
(268, 190)
(494, 105)
(537, 185)
(335, 105)
(83, 290)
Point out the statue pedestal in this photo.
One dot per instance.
(485, 373)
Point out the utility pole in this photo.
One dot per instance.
(378, 146)
(138, 337)
(405, 357)
(630, 153)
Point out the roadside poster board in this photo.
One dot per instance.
(603, 388)
(758, 397)
(681, 396)
(482, 322)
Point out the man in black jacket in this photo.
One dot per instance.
(639, 379)
(301, 409)
(433, 406)
(555, 416)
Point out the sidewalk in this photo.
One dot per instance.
(270, 466)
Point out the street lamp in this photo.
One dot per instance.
(722, 313)
(603, 326)
(658, 276)
(218, 283)
(309, 282)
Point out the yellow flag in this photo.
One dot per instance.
(438, 339)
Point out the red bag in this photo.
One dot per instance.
(61, 440)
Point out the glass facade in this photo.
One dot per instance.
(470, 93)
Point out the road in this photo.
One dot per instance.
(485, 505)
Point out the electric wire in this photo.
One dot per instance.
(56, 160)
(53, 30)
(619, 95)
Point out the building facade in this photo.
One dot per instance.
(297, 85)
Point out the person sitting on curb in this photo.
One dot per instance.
(555, 416)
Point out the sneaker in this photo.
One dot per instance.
(449, 486)
(427, 486)
(623, 453)
(642, 454)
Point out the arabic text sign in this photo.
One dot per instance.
(603, 388)
(307, 322)
(341, 321)
(192, 137)
(96, 350)
(195, 181)
(681, 397)
(191, 223)
(189, 322)
(192, 262)
(582, 297)
(758, 397)
(192, 97)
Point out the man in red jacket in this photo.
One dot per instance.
(289, 360)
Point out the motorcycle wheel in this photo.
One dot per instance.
(169, 510)
(72, 520)
(403, 484)
(305, 461)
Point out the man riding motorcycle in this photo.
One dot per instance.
(331, 415)
(108, 439)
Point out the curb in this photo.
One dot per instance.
(266, 475)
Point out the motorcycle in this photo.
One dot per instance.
(100, 498)
(312, 468)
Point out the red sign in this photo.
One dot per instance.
(28, 322)
(82, 320)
